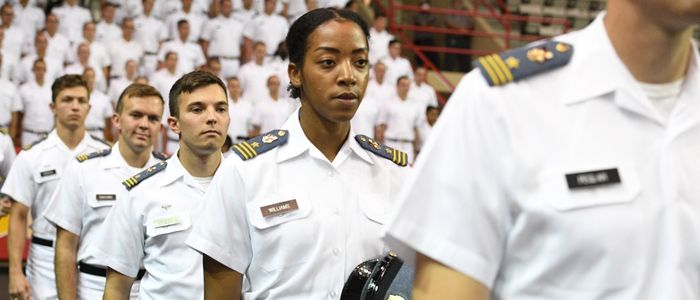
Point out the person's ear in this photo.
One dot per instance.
(295, 76)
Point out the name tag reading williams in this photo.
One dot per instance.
(48, 173)
(593, 178)
(279, 208)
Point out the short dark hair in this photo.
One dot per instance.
(430, 107)
(66, 82)
(187, 84)
(182, 21)
(303, 27)
(394, 41)
(402, 77)
(137, 90)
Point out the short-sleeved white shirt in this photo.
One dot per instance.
(35, 106)
(120, 52)
(116, 87)
(225, 36)
(71, 20)
(382, 92)
(494, 203)
(149, 227)
(367, 116)
(23, 72)
(10, 101)
(100, 80)
(59, 47)
(107, 32)
(35, 174)
(7, 156)
(270, 114)
(378, 45)
(99, 56)
(401, 117)
(189, 55)
(30, 19)
(423, 94)
(163, 80)
(243, 15)
(194, 19)
(395, 68)
(307, 253)
(254, 80)
(241, 113)
(14, 41)
(269, 29)
(150, 32)
(100, 109)
(86, 194)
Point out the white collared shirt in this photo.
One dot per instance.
(35, 175)
(367, 116)
(10, 101)
(378, 45)
(309, 252)
(7, 156)
(241, 113)
(189, 55)
(149, 32)
(35, 106)
(401, 117)
(120, 51)
(30, 19)
(86, 194)
(100, 109)
(149, 227)
(71, 20)
(194, 19)
(254, 80)
(270, 114)
(225, 36)
(424, 95)
(270, 29)
(107, 32)
(395, 68)
(494, 202)
(14, 41)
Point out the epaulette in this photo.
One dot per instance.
(4, 130)
(133, 181)
(160, 155)
(84, 157)
(27, 147)
(516, 64)
(100, 140)
(397, 156)
(260, 144)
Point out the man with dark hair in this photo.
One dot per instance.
(148, 226)
(190, 55)
(33, 180)
(399, 120)
(93, 185)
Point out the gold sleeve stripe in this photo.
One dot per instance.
(241, 151)
(497, 70)
(394, 158)
(249, 147)
(487, 67)
(404, 158)
(499, 61)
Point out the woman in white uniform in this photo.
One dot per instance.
(299, 207)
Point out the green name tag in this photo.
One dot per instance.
(167, 221)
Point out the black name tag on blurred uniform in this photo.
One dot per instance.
(592, 178)
(48, 173)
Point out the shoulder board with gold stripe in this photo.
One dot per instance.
(133, 181)
(397, 156)
(516, 64)
(100, 140)
(260, 144)
(84, 157)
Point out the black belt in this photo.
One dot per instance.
(399, 140)
(94, 128)
(42, 242)
(101, 271)
(36, 132)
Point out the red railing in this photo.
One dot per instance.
(500, 14)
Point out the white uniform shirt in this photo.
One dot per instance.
(500, 209)
(36, 173)
(14, 41)
(30, 19)
(100, 80)
(107, 32)
(120, 52)
(163, 80)
(396, 68)
(149, 227)
(401, 117)
(270, 29)
(10, 101)
(116, 87)
(270, 114)
(189, 55)
(225, 36)
(35, 106)
(382, 92)
(162, 9)
(423, 94)
(378, 45)
(71, 20)
(254, 80)
(100, 109)
(244, 16)
(23, 71)
(58, 47)
(307, 253)
(7, 156)
(195, 19)
(241, 113)
(99, 56)
(86, 194)
(149, 32)
(366, 117)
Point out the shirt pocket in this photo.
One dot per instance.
(374, 207)
(47, 173)
(564, 198)
(284, 239)
(102, 198)
(168, 223)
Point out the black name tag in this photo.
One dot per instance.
(592, 178)
(106, 197)
(48, 173)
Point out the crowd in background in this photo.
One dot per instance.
(157, 41)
